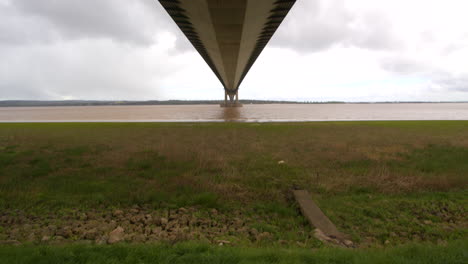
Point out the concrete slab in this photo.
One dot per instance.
(315, 216)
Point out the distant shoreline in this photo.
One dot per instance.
(38, 103)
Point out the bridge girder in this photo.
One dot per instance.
(228, 34)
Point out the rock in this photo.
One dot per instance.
(134, 219)
(83, 217)
(184, 220)
(164, 221)
(91, 234)
(156, 221)
(238, 222)
(118, 213)
(66, 232)
(301, 244)
(253, 232)
(163, 235)
(214, 223)
(148, 217)
(156, 230)
(171, 237)
(323, 237)
(92, 223)
(182, 210)
(14, 232)
(31, 237)
(112, 225)
(172, 217)
(116, 235)
(129, 237)
(138, 228)
(27, 228)
(125, 223)
(152, 237)
(223, 242)
(78, 230)
(10, 242)
(263, 236)
(139, 238)
(100, 241)
(91, 215)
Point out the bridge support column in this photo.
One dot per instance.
(233, 100)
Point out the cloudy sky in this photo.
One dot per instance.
(349, 50)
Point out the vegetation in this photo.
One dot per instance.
(13, 103)
(383, 183)
(454, 253)
(23, 103)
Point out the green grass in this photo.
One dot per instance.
(384, 183)
(395, 219)
(455, 252)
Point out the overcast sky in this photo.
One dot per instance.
(347, 50)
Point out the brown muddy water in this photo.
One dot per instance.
(248, 113)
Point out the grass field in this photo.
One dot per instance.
(454, 253)
(383, 183)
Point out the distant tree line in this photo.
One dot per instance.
(23, 103)
(10, 103)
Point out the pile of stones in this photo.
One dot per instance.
(132, 225)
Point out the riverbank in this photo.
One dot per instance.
(383, 183)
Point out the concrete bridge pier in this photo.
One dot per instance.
(228, 34)
(233, 99)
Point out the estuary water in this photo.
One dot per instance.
(247, 113)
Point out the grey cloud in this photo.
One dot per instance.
(321, 24)
(103, 70)
(401, 65)
(55, 49)
(404, 65)
(122, 20)
(311, 26)
(374, 32)
(52, 49)
(17, 29)
(452, 82)
(15, 90)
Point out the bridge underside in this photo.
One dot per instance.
(228, 34)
